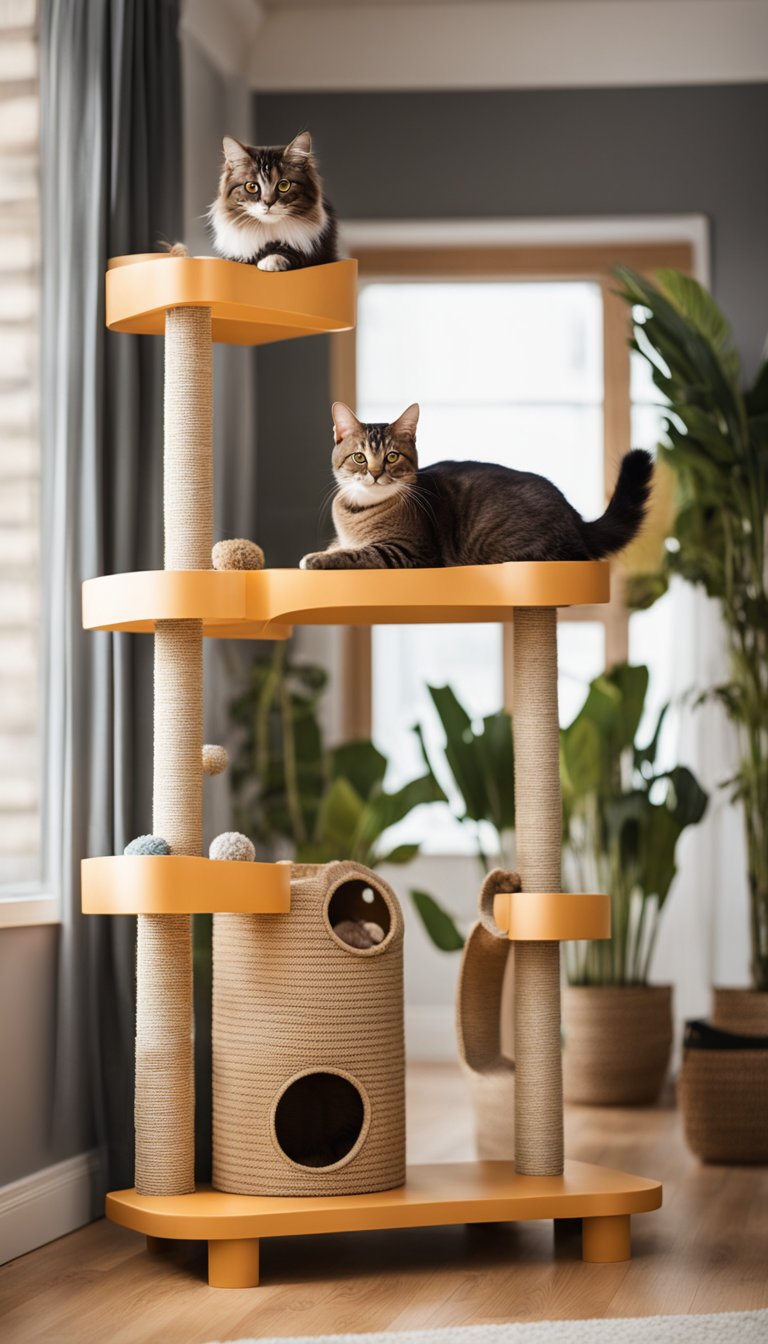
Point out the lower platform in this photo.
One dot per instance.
(434, 1195)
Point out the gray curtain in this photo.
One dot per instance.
(110, 184)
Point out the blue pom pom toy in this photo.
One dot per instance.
(148, 844)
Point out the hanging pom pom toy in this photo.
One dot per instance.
(215, 759)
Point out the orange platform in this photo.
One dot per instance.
(434, 1195)
(180, 884)
(248, 306)
(555, 916)
(265, 603)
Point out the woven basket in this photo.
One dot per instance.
(722, 1089)
(744, 1011)
(618, 1040)
(308, 1051)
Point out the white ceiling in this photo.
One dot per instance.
(346, 45)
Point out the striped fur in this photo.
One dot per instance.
(269, 228)
(389, 514)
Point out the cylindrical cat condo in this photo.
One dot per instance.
(308, 1049)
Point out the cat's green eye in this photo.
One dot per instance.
(283, 185)
(392, 456)
(358, 457)
(251, 188)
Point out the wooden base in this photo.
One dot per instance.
(434, 1195)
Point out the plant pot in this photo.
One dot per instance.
(618, 1040)
(744, 1011)
(722, 1089)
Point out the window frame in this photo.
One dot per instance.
(31, 902)
(547, 250)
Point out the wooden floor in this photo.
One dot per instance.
(705, 1251)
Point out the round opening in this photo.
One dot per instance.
(359, 916)
(319, 1119)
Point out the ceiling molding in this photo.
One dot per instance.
(523, 44)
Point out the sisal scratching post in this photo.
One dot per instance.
(538, 1065)
(165, 1092)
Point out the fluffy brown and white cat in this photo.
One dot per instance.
(390, 513)
(271, 210)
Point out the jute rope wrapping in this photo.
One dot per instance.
(491, 1074)
(538, 1065)
(165, 1092)
(290, 999)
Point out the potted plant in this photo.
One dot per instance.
(717, 447)
(622, 819)
(294, 794)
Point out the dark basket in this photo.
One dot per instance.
(723, 1093)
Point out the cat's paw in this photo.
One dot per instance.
(274, 262)
(314, 560)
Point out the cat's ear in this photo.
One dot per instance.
(344, 421)
(234, 152)
(407, 422)
(299, 149)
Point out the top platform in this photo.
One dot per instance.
(248, 306)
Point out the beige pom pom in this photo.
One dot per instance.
(237, 554)
(215, 759)
(232, 845)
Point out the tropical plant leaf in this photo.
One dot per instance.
(339, 817)
(399, 855)
(647, 754)
(386, 809)
(361, 763)
(461, 752)
(697, 305)
(439, 925)
(497, 755)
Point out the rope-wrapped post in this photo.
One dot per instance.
(165, 1088)
(538, 1063)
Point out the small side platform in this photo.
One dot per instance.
(434, 1195)
(180, 884)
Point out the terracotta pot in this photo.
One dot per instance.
(618, 1040)
(722, 1089)
(744, 1011)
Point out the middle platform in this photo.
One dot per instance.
(266, 603)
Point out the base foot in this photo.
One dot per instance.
(606, 1239)
(156, 1244)
(234, 1264)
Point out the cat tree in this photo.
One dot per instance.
(194, 301)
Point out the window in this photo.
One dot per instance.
(517, 356)
(20, 864)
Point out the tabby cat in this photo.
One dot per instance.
(270, 210)
(391, 514)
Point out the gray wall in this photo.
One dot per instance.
(510, 154)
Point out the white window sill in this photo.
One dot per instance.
(24, 907)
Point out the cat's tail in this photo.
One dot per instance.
(624, 516)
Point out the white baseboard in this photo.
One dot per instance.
(430, 1033)
(47, 1204)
